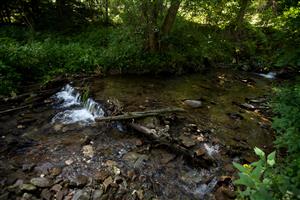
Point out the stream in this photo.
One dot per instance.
(57, 150)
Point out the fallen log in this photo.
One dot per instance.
(173, 145)
(134, 115)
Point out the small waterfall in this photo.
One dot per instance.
(78, 111)
(270, 75)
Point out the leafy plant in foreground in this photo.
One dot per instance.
(254, 179)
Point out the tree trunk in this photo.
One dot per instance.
(241, 14)
(106, 12)
(170, 17)
(35, 11)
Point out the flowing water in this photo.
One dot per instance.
(76, 110)
(64, 134)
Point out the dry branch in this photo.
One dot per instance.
(133, 115)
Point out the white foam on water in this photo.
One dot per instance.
(74, 116)
(69, 96)
(211, 149)
(270, 75)
(204, 189)
(84, 113)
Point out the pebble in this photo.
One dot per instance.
(101, 175)
(97, 194)
(27, 187)
(193, 103)
(46, 194)
(88, 151)
(40, 182)
(79, 181)
(69, 162)
(81, 195)
(55, 171)
(56, 188)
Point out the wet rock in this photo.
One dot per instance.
(56, 188)
(81, 195)
(131, 156)
(111, 163)
(4, 196)
(229, 168)
(79, 181)
(17, 184)
(41, 182)
(97, 194)
(107, 182)
(69, 162)
(27, 187)
(60, 194)
(235, 116)
(46, 194)
(139, 194)
(44, 168)
(191, 177)
(193, 103)
(28, 167)
(27, 196)
(138, 142)
(200, 152)
(150, 122)
(187, 141)
(101, 175)
(55, 171)
(247, 106)
(166, 157)
(116, 170)
(58, 127)
(88, 151)
(224, 193)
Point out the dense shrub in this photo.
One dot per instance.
(265, 182)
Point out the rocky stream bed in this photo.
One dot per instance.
(52, 148)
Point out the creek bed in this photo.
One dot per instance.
(111, 161)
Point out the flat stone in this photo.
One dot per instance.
(79, 181)
(166, 157)
(4, 196)
(81, 195)
(27, 167)
(27, 187)
(88, 151)
(97, 194)
(55, 171)
(56, 188)
(193, 103)
(101, 175)
(60, 194)
(200, 152)
(131, 156)
(187, 141)
(46, 194)
(69, 162)
(107, 182)
(40, 182)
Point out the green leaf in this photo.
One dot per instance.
(271, 158)
(245, 180)
(259, 152)
(239, 167)
(256, 173)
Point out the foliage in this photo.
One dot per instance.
(261, 179)
(256, 177)
(287, 126)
